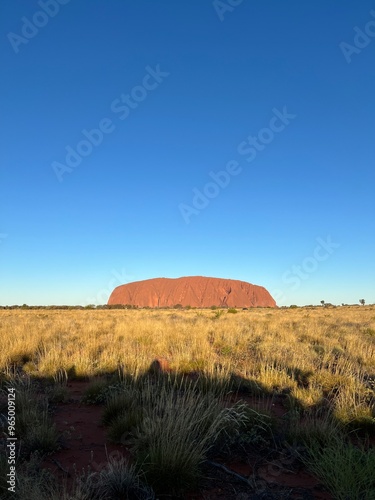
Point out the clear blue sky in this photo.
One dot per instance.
(182, 89)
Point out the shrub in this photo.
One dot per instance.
(33, 423)
(347, 471)
(176, 436)
(41, 437)
(116, 405)
(218, 313)
(121, 480)
(96, 392)
(172, 426)
(125, 424)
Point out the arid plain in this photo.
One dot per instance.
(191, 403)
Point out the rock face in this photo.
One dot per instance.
(194, 291)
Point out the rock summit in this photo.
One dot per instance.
(194, 291)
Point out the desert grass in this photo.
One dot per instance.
(347, 470)
(321, 360)
(170, 426)
(35, 429)
(313, 353)
(118, 480)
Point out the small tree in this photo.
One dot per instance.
(362, 301)
(322, 302)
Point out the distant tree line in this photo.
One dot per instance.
(176, 306)
(122, 306)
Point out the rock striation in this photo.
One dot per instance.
(194, 291)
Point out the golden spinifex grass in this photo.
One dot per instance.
(314, 354)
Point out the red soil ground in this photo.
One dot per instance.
(85, 443)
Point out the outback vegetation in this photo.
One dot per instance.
(292, 389)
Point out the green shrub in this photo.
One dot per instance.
(124, 424)
(41, 437)
(96, 392)
(218, 313)
(347, 471)
(33, 423)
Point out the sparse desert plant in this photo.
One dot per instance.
(114, 482)
(57, 392)
(255, 430)
(124, 424)
(33, 482)
(166, 441)
(314, 429)
(33, 420)
(352, 411)
(96, 391)
(217, 313)
(175, 429)
(121, 480)
(346, 470)
(42, 436)
(117, 404)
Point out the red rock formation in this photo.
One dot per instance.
(194, 291)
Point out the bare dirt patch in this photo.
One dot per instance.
(84, 441)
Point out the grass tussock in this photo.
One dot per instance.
(116, 481)
(346, 470)
(170, 425)
(34, 428)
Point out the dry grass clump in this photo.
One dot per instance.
(346, 470)
(170, 425)
(34, 428)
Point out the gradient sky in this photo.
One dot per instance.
(298, 218)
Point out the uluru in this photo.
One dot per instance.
(194, 291)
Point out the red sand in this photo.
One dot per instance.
(85, 444)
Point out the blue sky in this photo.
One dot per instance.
(159, 97)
